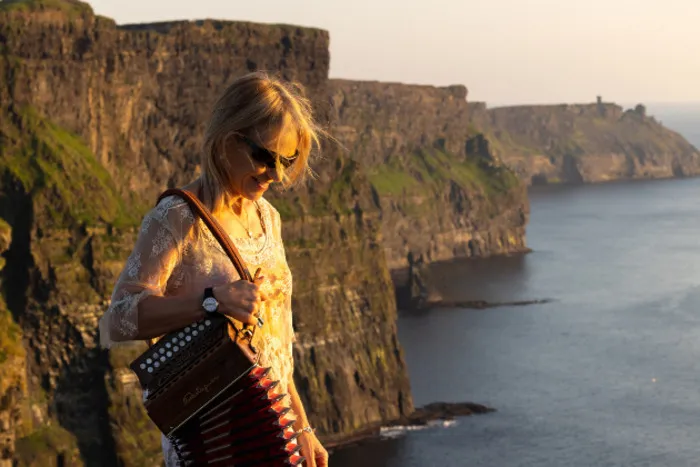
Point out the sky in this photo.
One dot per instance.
(506, 52)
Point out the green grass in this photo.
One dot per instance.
(430, 169)
(43, 446)
(62, 174)
(10, 339)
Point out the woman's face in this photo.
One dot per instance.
(247, 176)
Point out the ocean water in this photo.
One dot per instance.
(682, 118)
(607, 374)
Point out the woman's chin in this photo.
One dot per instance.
(255, 195)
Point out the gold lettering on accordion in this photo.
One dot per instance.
(199, 390)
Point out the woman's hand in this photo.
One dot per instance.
(240, 299)
(315, 455)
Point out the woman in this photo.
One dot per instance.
(261, 131)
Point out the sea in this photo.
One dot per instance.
(605, 374)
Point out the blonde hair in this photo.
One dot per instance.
(249, 103)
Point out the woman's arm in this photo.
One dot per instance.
(139, 310)
(311, 448)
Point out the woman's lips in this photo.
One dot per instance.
(260, 186)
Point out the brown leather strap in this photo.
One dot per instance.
(231, 251)
(199, 209)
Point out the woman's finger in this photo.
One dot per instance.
(241, 315)
(322, 459)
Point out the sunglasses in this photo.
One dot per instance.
(266, 157)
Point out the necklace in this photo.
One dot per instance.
(247, 220)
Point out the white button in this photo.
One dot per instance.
(201, 327)
(180, 334)
(155, 355)
(182, 343)
(161, 350)
(169, 354)
(162, 359)
(187, 329)
(149, 361)
(150, 370)
(143, 366)
(156, 364)
(174, 339)
(188, 338)
(176, 348)
(195, 332)
(168, 345)
(207, 322)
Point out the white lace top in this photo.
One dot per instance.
(171, 258)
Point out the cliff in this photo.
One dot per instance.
(95, 120)
(585, 143)
(442, 193)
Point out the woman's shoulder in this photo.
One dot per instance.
(264, 203)
(170, 212)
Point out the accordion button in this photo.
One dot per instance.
(156, 364)
(155, 355)
(174, 339)
(181, 334)
(150, 369)
(182, 343)
(169, 354)
(195, 332)
(143, 366)
(201, 327)
(162, 351)
(188, 338)
(207, 322)
(187, 329)
(162, 359)
(168, 345)
(149, 361)
(176, 348)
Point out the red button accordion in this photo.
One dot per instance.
(207, 393)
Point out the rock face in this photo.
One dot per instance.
(442, 193)
(585, 143)
(95, 120)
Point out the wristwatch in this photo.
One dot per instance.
(210, 304)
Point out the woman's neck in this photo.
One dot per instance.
(227, 201)
(234, 203)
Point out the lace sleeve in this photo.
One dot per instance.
(145, 273)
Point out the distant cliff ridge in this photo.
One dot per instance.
(585, 143)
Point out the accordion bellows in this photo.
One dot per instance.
(213, 402)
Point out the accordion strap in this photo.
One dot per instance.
(231, 251)
(199, 209)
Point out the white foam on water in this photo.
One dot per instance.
(390, 432)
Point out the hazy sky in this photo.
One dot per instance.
(504, 51)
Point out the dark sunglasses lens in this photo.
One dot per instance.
(263, 156)
(286, 163)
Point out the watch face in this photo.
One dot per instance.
(210, 304)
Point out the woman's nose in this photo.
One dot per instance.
(274, 174)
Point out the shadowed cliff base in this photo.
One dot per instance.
(422, 417)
